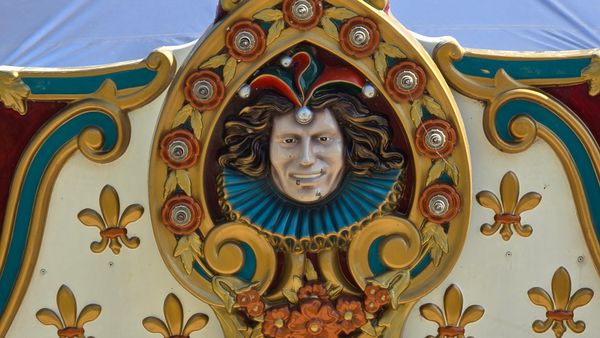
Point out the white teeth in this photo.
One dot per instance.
(306, 176)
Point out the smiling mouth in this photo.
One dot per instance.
(307, 176)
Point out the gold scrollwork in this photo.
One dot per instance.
(14, 92)
(561, 306)
(592, 74)
(508, 212)
(173, 326)
(68, 323)
(111, 225)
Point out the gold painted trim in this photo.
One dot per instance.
(524, 129)
(89, 142)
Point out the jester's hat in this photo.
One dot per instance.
(299, 76)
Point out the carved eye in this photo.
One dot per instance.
(324, 139)
(289, 140)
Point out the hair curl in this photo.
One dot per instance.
(367, 134)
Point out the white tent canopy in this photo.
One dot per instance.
(57, 33)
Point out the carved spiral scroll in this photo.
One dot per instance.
(224, 252)
(399, 249)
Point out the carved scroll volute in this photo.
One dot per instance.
(227, 249)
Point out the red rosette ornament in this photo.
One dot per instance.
(182, 215)
(204, 90)
(246, 41)
(302, 14)
(435, 138)
(359, 37)
(406, 81)
(440, 203)
(179, 149)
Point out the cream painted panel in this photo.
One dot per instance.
(497, 274)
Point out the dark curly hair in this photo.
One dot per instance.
(367, 134)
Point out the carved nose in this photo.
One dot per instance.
(308, 158)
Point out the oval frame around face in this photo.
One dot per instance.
(213, 44)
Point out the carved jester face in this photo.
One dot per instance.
(306, 155)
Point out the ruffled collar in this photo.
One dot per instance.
(261, 204)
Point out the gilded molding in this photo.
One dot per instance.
(452, 321)
(112, 223)
(508, 208)
(13, 91)
(561, 306)
(69, 323)
(172, 326)
(105, 104)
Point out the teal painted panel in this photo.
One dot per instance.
(523, 70)
(89, 84)
(33, 177)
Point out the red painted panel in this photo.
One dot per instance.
(15, 133)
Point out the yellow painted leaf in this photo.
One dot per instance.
(398, 286)
(436, 255)
(311, 273)
(369, 329)
(196, 123)
(257, 331)
(330, 28)
(592, 74)
(184, 182)
(187, 259)
(436, 171)
(170, 184)
(215, 61)
(380, 64)
(269, 15)
(391, 50)
(182, 245)
(275, 31)
(333, 290)
(222, 288)
(14, 92)
(229, 70)
(452, 170)
(195, 243)
(433, 107)
(416, 112)
(339, 13)
(427, 232)
(182, 115)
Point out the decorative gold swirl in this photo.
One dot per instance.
(224, 253)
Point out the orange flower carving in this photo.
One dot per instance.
(351, 313)
(435, 138)
(276, 323)
(375, 298)
(316, 320)
(204, 90)
(359, 37)
(302, 14)
(406, 81)
(182, 215)
(246, 41)
(251, 302)
(179, 149)
(439, 203)
(313, 291)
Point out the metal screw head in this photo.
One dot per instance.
(203, 90)
(245, 41)
(245, 91)
(508, 254)
(439, 205)
(435, 139)
(181, 215)
(369, 91)
(359, 36)
(580, 259)
(304, 115)
(43, 271)
(302, 10)
(407, 80)
(286, 61)
(178, 150)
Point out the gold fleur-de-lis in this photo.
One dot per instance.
(560, 308)
(112, 227)
(69, 325)
(508, 212)
(174, 328)
(451, 322)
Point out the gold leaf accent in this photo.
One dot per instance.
(184, 181)
(380, 63)
(292, 294)
(227, 288)
(311, 273)
(452, 170)
(453, 315)
(170, 185)
(275, 31)
(436, 241)
(592, 74)
(395, 282)
(215, 61)
(436, 170)
(229, 70)
(333, 290)
(269, 15)
(416, 112)
(391, 50)
(185, 253)
(434, 107)
(369, 329)
(14, 92)
(173, 324)
(197, 124)
(330, 28)
(67, 307)
(339, 13)
(182, 115)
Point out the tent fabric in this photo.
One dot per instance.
(60, 33)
